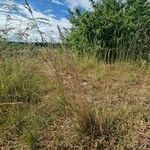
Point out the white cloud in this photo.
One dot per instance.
(22, 21)
(57, 2)
(79, 3)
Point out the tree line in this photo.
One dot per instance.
(113, 29)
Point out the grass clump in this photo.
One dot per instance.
(106, 127)
(18, 83)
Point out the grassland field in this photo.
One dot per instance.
(55, 100)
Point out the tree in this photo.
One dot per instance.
(114, 28)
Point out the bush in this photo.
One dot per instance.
(114, 29)
(18, 83)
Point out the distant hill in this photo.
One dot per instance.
(40, 44)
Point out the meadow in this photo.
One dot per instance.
(54, 99)
(90, 90)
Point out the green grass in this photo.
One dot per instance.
(18, 83)
(69, 102)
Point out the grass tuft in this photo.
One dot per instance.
(18, 83)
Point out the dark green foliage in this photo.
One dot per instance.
(114, 29)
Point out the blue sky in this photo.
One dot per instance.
(55, 11)
(56, 7)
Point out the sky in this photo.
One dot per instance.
(54, 13)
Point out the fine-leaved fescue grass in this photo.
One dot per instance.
(18, 83)
(61, 101)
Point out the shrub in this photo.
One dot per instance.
(114, 29)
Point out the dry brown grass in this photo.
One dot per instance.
(89, 105)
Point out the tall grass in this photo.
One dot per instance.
(87, 104)
(54, 99)
(18, 83)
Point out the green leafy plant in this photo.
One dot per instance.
(114, 29)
